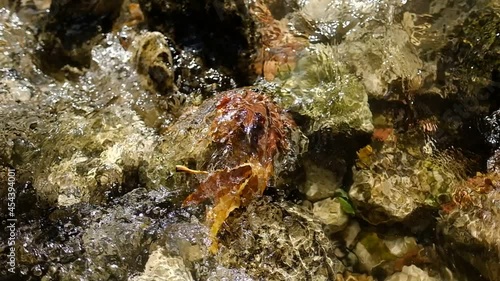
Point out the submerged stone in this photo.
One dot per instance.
(223, 31)
(69, 32)
(411, 272)
(330, 21)
(279, 242)
(330, 213)
(380, 56)
(469, 224)
(320, 183)
(398, 178)
(164, 268)
(323, 91)
(81, 149)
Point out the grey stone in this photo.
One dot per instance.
(329, 212)
(320, 183)
(411, 273)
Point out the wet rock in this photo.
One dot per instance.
(15, 40)
(477, 45)
(113, 241)
(277, 47)
(193, 78)
(401, 245)
(222, 273)
(411, 273)
(320, 183)
(89, 242)
(493, 163)
(350, 233)
(254, 35)
(330, 213)
(14, 87)
(372, 252)
(326, 94)
(397, 179)
(76, 164)
(76, 154)
(98, 138)
(183, 145)
(369, 38)
(493, 131)
(386, 56)
(253, 142)
(353, 277)
(446, 17)
(381, 255)
(469, 224)
(164, 268)
(94, 169)
(223, 31)
(69, 32)
(153, 61)
(409, 52)
(282, 241)
(330, 21)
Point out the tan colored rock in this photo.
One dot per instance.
(164, 268)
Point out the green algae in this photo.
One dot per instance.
(322, 89)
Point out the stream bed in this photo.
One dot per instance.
(340, 140)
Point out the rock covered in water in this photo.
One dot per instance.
(15, 39)
(278, 242)
(381, 55)
(75, 164)
(94, 167)
(114, 240)
(277, 47)
(153, 61)
(164, 268)
(95, 140)
(83, 241)
(385, 255)
(330, 213)
(469, 65)
(76, 141)
(320, 183)
(250, 37)
(413, 273)
(14, 87)
(398, 178)
(69, 32)
(469, 224)
(323, 91)
(223, 31)
(368, 37)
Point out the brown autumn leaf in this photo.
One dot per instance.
(252, 124)
(252, 131)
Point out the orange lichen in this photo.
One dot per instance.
(251, 131)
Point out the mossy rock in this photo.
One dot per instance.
(323, 90)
